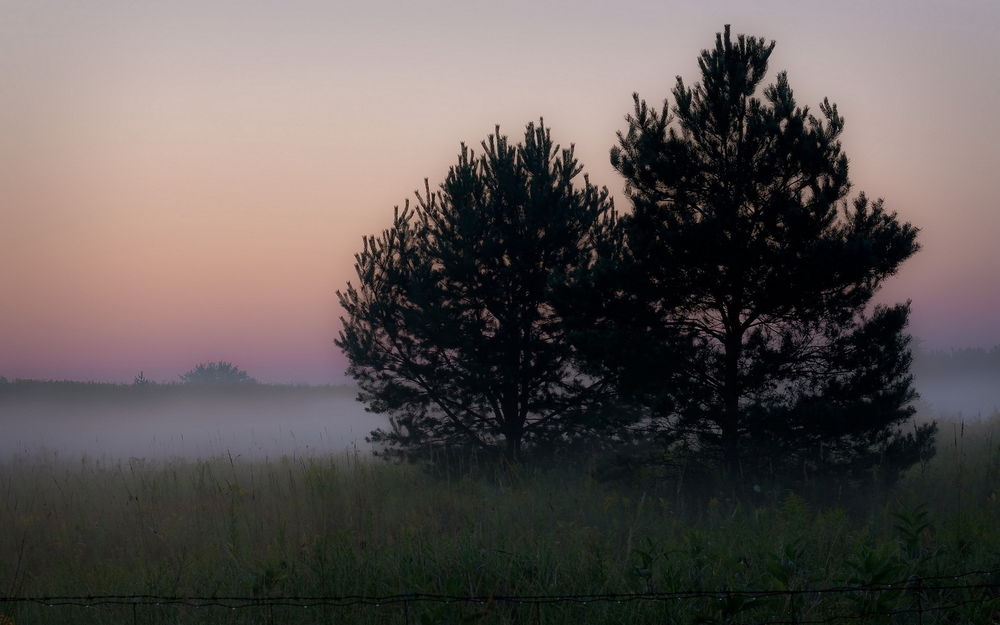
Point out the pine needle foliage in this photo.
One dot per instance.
(453, 328)
(752, 271)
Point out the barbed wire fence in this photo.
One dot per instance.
(933, 594)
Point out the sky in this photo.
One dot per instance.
(188, 181)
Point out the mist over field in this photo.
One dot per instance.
(954, 397)
(73, 420)
(961, 384)
(105, 421)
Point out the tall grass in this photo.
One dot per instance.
(353, 525)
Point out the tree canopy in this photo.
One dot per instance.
(731, 310)
(453, 328)
(753, 272)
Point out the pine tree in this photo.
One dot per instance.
(753, 268)
(452, 329)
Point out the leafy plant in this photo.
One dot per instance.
(875, 567)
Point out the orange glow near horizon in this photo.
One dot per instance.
(182, 183)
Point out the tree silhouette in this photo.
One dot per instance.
(746, 277)
(453, 328)
(221, 372)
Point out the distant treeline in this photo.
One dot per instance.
(69, 390)
(957, 362)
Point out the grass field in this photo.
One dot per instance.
(353, 525)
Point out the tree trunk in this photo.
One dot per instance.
(513, 427)
(512, 449)
(730, 424)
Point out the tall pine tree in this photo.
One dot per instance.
(753, 272)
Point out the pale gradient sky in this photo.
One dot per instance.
(188, 181)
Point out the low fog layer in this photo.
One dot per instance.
(104, 421)
(966, 398)
(958, 384)
(258, 421)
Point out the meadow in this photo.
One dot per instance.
(349, 524)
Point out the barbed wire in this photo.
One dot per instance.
(909, 585)
(866, 615)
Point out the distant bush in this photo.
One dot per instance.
(217, 373)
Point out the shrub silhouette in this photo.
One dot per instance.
(221, 372)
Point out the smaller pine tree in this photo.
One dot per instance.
(454, 329)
